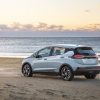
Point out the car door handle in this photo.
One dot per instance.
(61, 57)
(39, 58)
(45, 58)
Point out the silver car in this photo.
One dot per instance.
(65, 60)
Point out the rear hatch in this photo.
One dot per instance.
(85, 56)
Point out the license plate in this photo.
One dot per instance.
(89, 61)
(90, 72)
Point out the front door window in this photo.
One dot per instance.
(44, 52)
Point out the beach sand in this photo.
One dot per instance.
(14, 86)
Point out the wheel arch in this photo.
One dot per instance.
(65, 64)
(25, 64)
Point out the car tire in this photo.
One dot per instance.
(66, 73)
(90, 76)
(27, 70)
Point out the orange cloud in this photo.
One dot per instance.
(45, 27)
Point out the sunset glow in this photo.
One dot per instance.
(68, 13)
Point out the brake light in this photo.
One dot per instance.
(97, 56)
(78, 56)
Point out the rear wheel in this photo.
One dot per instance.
(27, 70)
(90, 76)
(66, 73)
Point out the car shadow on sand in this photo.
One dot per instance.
(76, 78)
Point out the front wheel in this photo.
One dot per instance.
(27, 70)
(66, 73)
(90, 76)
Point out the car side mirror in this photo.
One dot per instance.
(38, 56)
(69, 53)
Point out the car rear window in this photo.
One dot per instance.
(84, 51)
(69, 49)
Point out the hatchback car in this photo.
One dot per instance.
(65, 60)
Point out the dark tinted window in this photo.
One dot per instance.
(84, 51)
(69, 49)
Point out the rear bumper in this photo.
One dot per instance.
(84, 70)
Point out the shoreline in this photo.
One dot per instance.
(15, 55)
(24, 55)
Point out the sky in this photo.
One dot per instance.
(50, 15)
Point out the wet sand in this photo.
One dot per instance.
(14, 86)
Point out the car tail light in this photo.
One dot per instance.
(97, 56)
(78, 56)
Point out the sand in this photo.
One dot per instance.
(14, 86)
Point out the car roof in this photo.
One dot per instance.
(68, 45)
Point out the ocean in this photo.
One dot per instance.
(25, 46)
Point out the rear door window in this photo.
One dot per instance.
(58, 51)
(84, 51)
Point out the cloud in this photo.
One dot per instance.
(45, 30)
(15, 26)
(45, 27)
(42, 26)
(87, 11)
(55, 27)
(28, 27)
(91, 27)
(3, 27)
